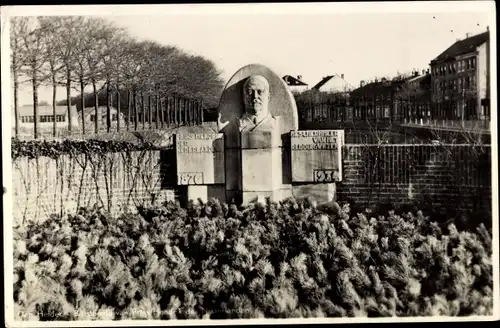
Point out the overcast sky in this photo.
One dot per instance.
(361, 41)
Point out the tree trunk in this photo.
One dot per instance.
(108, 108)
(157, 109)
(68, 96)
(35, 105)
(96, 107)
(16, 89)
(82, 102)
(143, 111)
(129, 108)
(118, 109)
(54, 94)
(16, 111)
(136, 111)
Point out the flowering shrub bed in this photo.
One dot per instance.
(213, 260)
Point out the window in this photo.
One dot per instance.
(92, 118)
(114, 117)
(60, 118)
(27, 119)
(473, 63)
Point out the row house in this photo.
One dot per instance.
(460, 80)
(397, 99)
(413, 97)
(328, 100)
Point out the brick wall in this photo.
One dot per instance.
(458, 175)
(115, 181)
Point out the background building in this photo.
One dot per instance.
(90, 117)
(295, 84)
(373, 100)
(46, 117)
(333, 84)
(413, 97)
(460, 79)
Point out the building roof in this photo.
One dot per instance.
(326, 79)
(419, 77)
(27, 110)
(101, 109)
(373, 87)
(462, 47)
(293, 81)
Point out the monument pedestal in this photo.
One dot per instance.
(261, 165)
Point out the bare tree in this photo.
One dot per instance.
(54, 63)
(17, 28)
(111, 54)
(34, 54)
(69, 29)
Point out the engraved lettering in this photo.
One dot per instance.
(325, 175)
(190, 178)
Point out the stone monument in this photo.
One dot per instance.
(258, 151)
(256, 114)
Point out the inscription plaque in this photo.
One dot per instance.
(200, 159)
(317, 155)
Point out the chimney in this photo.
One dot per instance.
(488, 28)
(342, 76)
(299, 77)
(466, 35)
(423, 72)
(362, 83)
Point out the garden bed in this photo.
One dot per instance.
(284, 260)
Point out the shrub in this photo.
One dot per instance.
(277, 260)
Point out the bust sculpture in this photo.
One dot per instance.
(256, 96)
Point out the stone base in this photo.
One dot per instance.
(246, 197)
(206, 192)
(217, 191)
(196, 193)
(322, 193)
(260, 196)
